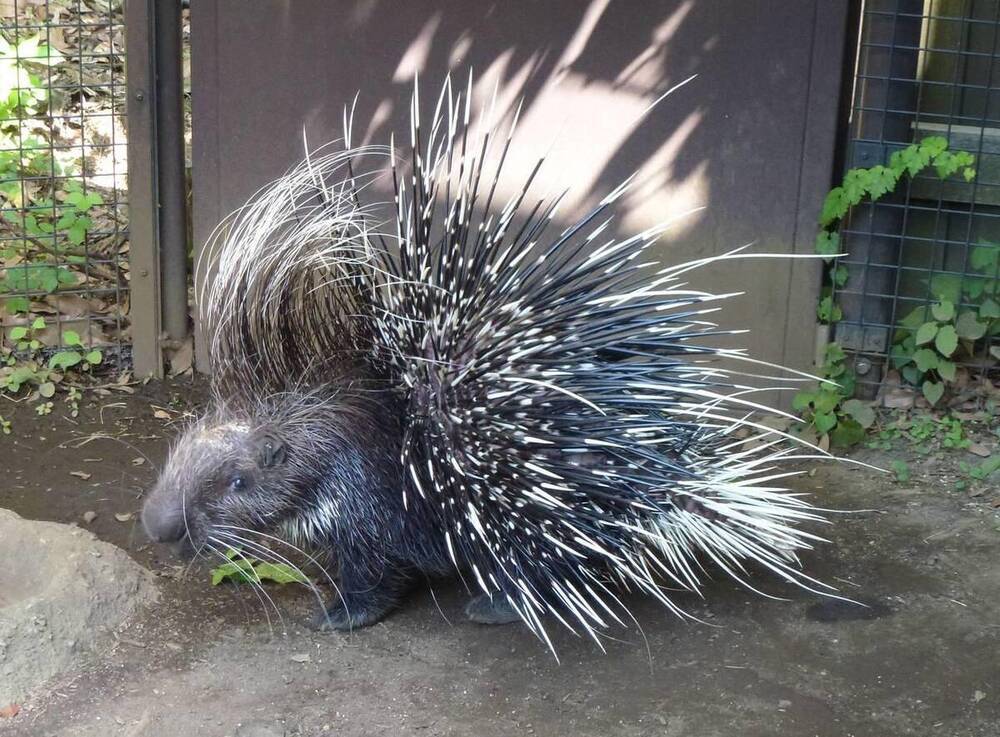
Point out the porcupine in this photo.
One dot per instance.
(468, 392)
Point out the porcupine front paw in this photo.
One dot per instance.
(484, 609)
(353, 612)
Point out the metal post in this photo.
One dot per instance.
(144, 298)
(170, 169)
(157, 183)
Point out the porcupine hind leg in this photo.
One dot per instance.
(486, 609)
(367, 593)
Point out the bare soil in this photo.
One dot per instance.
(922, 659)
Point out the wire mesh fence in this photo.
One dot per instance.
(923, 270)
(64, 278)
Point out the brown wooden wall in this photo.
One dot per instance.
(752, 138)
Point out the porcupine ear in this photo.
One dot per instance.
(272, 452)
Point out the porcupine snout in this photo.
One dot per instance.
(163, 516)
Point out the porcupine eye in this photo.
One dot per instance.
(237, 483)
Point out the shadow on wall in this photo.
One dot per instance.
(735, 140)
(586, 73)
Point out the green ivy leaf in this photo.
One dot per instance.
(861, 412)
(946, 340)
(840, 275)
(233, 571)
(18, 333)
(64, 360)
(900, 356)
(926, 359)
(834, 207)
(947, 369)
(989, 309)
(802, 400)
(93, 357)
(828, 311)
(71, 338)
(926, 332)
(933, 391)
(847, 433)
(834, 353)
(824, 422)
(984, 257)
(855, 186)
(915, 318)
(947, 288)
(17, 305)
(828, 243)
(826, 400)
(968, 327)
(943, 311)
(279, 573)
(882, 180)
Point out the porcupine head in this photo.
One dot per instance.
(223, 471)
(279, 467)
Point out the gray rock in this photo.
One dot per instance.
(63, 593)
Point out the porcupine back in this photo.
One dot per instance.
(568, 428)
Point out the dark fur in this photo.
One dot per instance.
(321, 470)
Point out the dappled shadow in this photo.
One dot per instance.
(733, 140)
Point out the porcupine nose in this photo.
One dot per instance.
(162, 522)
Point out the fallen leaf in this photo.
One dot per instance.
(978, 696)
(123, 517)
(89, 517)
(138, 461)
(161, 414)
(302, 658)
(81, 474)
(182, 359)
(980, 450)
(10, 711)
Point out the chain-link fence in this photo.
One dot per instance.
(64, 276)
(921, 289)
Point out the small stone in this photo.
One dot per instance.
(978, 696)
(301, 658)
(89, 517)
(123, 516)
(980, 450)
(898, 399)
(784, 704)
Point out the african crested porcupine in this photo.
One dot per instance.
(436, 385)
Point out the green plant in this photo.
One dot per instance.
(953, 435)
(871, 184)
(981, 471)
(245, 569)
(929, 341)
(5, 426)
(24, 365)
(48, 213)
(828, 408)
(901, 471)
(73, 397)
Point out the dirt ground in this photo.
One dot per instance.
(924, 659)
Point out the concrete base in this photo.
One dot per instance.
(62, 594)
